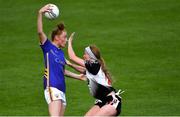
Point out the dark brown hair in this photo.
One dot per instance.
(58, 30)
(96, 52)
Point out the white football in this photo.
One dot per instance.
(53, 13)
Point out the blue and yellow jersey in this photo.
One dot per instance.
(54, 66)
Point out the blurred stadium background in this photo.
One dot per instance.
(139, 40)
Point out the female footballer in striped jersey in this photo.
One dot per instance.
(54, 60)
(108, 101)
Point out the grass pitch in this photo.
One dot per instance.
(139, 40)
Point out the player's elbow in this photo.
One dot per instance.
(40, 33)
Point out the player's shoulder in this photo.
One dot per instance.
(93, 66)
(47, 41)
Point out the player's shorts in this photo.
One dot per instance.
(114, 100)
(52, 94)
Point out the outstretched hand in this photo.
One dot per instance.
(45, 8)
(71, 37)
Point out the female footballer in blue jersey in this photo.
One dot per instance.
(54, 82)
(108, 101)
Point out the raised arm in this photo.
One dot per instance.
(75, 76)
(41, 34)
(72, 55)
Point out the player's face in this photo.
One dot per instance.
(86, 56)
(62, 39)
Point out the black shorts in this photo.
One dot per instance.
(114, 100)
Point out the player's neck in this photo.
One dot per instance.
(55, 44)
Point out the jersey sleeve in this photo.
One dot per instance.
(46, 46)
(93, 67)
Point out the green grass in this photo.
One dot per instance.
(139, 40)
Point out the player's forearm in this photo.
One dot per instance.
(39, 23)
(41, 34)
(77, 67)
(73, 57)
(71, 53)
(73, 75)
